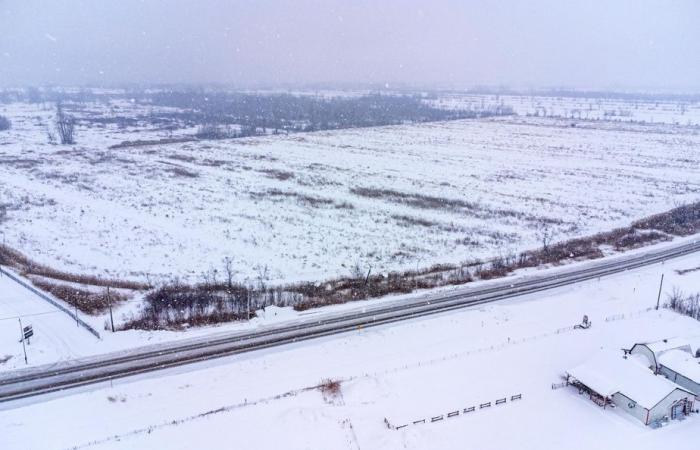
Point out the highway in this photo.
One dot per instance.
(65, 375)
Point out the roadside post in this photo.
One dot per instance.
(109, 302)
(24, 333)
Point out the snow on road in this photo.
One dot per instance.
(404, 372)
(56, 336)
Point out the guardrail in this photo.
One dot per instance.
(54, 302)
(455, 413)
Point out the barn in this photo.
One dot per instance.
(653, 350)
(674, 359)
(611, 379)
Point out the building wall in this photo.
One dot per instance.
(645, 351)
(680, 380)
(629, 406)
(660, 411)
(664, 407)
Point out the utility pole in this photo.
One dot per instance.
(77, 324)
(21, 333)
(658, 298)
(3, 248)
(109, 302)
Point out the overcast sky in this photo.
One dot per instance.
(599, 44)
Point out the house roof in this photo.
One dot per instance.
(665, 345)
(683, 363)
(608, 373)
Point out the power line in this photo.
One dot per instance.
(30, 315)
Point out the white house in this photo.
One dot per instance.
(611, 379)
(674, 359)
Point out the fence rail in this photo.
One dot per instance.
(454, 413)
(52, 301)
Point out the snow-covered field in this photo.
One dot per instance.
(403, 372)
(676, 112)
(310, 206)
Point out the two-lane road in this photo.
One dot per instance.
(38, 380)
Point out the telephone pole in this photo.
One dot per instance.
(658, 298)
(109, 302)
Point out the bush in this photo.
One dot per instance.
(88, 302)
(65, 125)
(5, 123)
(682, 304)
(330, 389)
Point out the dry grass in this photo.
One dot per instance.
(26, 266)
(277, 174)
(330, 389)
(86, 301)
(144, 143)
(182, 172)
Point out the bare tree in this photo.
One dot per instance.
(263, 275)
(546, 235)
(356, 271)
(228, 268)
(65, 124)
(50, 136)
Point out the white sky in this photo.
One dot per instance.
(598, 44)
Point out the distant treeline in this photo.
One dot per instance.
(571, 93)
(228, 114)
(271, 113)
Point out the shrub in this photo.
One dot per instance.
(5, 123)
(687, 305)
(88, 302)
(330, 389)
(65, 125)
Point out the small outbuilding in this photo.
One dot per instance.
(674, 359)
(612, 379)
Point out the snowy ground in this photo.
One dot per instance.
(56, 336)
(676, 112)
(310, 206)
(407, 371)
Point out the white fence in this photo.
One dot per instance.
(456, 412)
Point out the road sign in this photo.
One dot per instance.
(28, 332)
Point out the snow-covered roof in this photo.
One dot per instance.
(665, 345)
(683, 363)
(694, 344)
(607, 373)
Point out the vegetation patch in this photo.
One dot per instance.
(177, 305)
(25, 266)
(5, 123)
(469, 208)
(86, 301)
(688, 305)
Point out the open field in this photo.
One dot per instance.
(623, 108)
(314, 205)
(404, 372)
